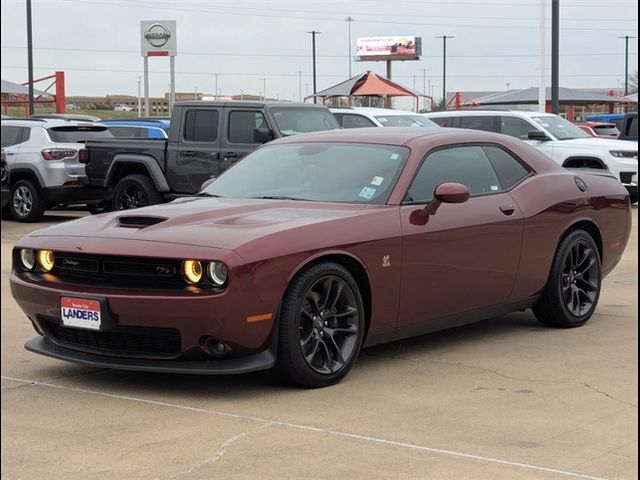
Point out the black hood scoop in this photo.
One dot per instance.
(139, 221)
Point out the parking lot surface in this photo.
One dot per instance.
(504, 398)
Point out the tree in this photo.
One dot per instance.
(633, 82)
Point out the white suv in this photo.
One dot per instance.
(362, 117)
(43, 159)
(559, 139)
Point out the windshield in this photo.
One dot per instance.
(405, 121)
(292, 121)
(78, 134)
(560, 128)
(322, 172)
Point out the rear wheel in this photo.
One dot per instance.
(573, 288)
(321, 326)
(135, 191)
(633, 197)
(26, 203)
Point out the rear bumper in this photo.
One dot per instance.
(74, 194)
(227, 366)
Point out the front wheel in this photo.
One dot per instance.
(135, 191)
(321, 326)
(573, 288)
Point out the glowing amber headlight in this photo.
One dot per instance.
(45, 260)
(192, 271)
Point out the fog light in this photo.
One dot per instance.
(192, 271)
(27, 258)
(45, 260)
(217, 273)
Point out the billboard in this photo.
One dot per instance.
(405, 47)
(158, 38)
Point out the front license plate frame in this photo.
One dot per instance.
(84, 312)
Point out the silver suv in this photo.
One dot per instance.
(43, 157)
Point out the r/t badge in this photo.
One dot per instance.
(386, 261)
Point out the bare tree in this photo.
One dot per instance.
(633, 82)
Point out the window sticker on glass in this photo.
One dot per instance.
(377, 181)
(367, 193)
(394, 156)
(494, 188)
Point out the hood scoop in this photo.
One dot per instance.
(139, 221)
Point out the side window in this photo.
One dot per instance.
(516, 127)
(356, 121)
(242, 124)
(124, 131)
(11, 135)
(488, 123)
(632, 127)
(201, 126)
(509, 170)
(466, 165)
(444, 121)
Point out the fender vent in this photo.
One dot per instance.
(139, 221)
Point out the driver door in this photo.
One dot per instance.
(465, 256)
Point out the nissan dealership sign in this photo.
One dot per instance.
(158, 38)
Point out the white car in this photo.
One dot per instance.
(43, 157)
(558, 138)
(362, 117)
(123, 108)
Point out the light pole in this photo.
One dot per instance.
(215, 84)
(139, 99)
(555, 56)
(264, 83)
(349, 20)
(444, 68)
(195, 93)
(30, 58)
(626, 63)
(299, 72)
(313, 48)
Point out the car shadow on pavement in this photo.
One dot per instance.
(178, 386)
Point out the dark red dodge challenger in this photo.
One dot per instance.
(315, 246)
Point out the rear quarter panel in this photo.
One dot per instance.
(551, 205)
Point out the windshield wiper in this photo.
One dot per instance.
(207, 194)
(278, 197)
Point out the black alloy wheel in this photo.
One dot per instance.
(572, 291)
(321, 326)
(328, 325)
(135, 191)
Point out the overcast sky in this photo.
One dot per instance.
(97, 43)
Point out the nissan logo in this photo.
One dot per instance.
(157, 35)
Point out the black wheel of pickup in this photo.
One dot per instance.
(135, 191)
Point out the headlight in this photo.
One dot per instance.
(45, 260)
(623, 154)
(217, 273)
(192, 271)
(27, 258)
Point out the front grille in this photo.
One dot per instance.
(626, 177)
(121, 341)
(123, 272)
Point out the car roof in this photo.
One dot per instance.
(595, 124)
(137, 123)
(47, 122)
(247, 103)
(373, 111)
(487, 112)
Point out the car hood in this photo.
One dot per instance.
(599, 143)
(209, 222)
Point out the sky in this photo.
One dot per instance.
(496, 44)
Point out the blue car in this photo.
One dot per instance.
(139, 128)
(607, 118)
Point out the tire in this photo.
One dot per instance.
(633, 197)
(572, 291)
(100, 207)
(26, 202)
(135, 191)
(311, 321)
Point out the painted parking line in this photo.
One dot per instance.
(354, 436)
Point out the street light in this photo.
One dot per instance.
(444, 68)
(264, 83)
(626, 63)
(215, 85)
(349, 20)
(313, 48)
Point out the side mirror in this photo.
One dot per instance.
(446, 193)
(207, 183)
(538, 135)
(261, 135)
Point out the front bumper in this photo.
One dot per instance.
(223, 366)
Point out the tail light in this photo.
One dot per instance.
(83, 155)
(58, 153)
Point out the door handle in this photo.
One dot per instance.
(231, 155)
(188, 153)
(9, 153)
(507, 209)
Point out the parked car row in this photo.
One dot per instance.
(156, 159)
